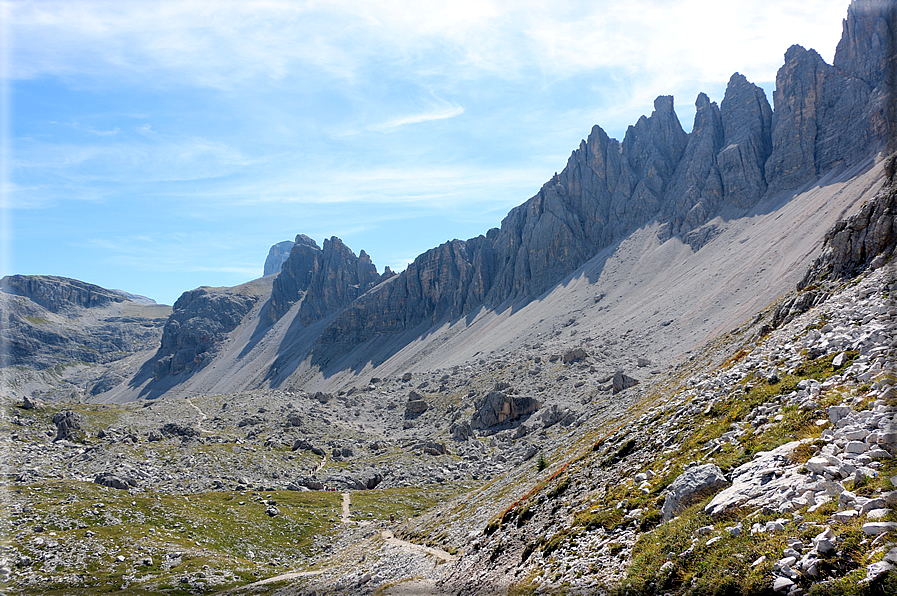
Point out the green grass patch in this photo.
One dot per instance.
(224, 530)
(403, 503)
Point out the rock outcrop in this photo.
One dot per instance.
(691, 486)
(819, 122)
(747, 133)
(497, 407)
(277, 256)
(324, 279)
(59, 294)
(69, 426)
(867, 237)
(738, 153)
(51, 321)
(201, 319)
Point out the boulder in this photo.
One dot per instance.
(621, 382)
(416, 405)
(31, 403)
(173, 429)
(370, 479)
(114, 480)
(302, 444)
(68, 426)
(692, 485)
(434, 448)
(309, 482)
(346, 481)
(760, 481)
(461, 431)
(555, 413)
(497, 407)
(575, 355)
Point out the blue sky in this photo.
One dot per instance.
(163, 145)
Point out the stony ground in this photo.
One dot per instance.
(766, 462)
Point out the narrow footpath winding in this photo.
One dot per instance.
(389, 538)
(415, 586)
(202, 416)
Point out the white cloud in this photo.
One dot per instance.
(154, 157)
(437, 114)
(225, 43)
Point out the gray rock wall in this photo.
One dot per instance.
(277, 255)
(325, 279)
(825, 116)
(201, 319)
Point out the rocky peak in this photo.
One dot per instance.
(201, 319)
(867, 47)
(747, 129)
(653, 148)
(822, 119)
(325, 279)
(696, 188)
(277, 255)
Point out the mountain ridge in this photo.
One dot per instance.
(742, 160)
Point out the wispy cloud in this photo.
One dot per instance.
(437, 114)
(229, 42)
(93, 131)
(181, 252)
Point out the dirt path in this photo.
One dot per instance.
(389, 538)
(202, 416)
(277, 578)
(415, 586)
(321, 465)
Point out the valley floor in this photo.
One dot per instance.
(765, 464)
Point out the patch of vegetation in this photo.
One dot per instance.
(624, 450)
(600, 517)
(722, 568)
(402, 502)
(559, 489)
(37, 320)
(556, 541)
(224, 530)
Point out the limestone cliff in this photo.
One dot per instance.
(276, 256)
(867, 238)
(59, 294)
(324, 279)
(737, 153)
(201, 319)
(75, 333)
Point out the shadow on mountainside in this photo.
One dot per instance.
(336, 357)
(333, 358)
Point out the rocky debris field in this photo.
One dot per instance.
(774, 472)
(87, 484)
(764, 463)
